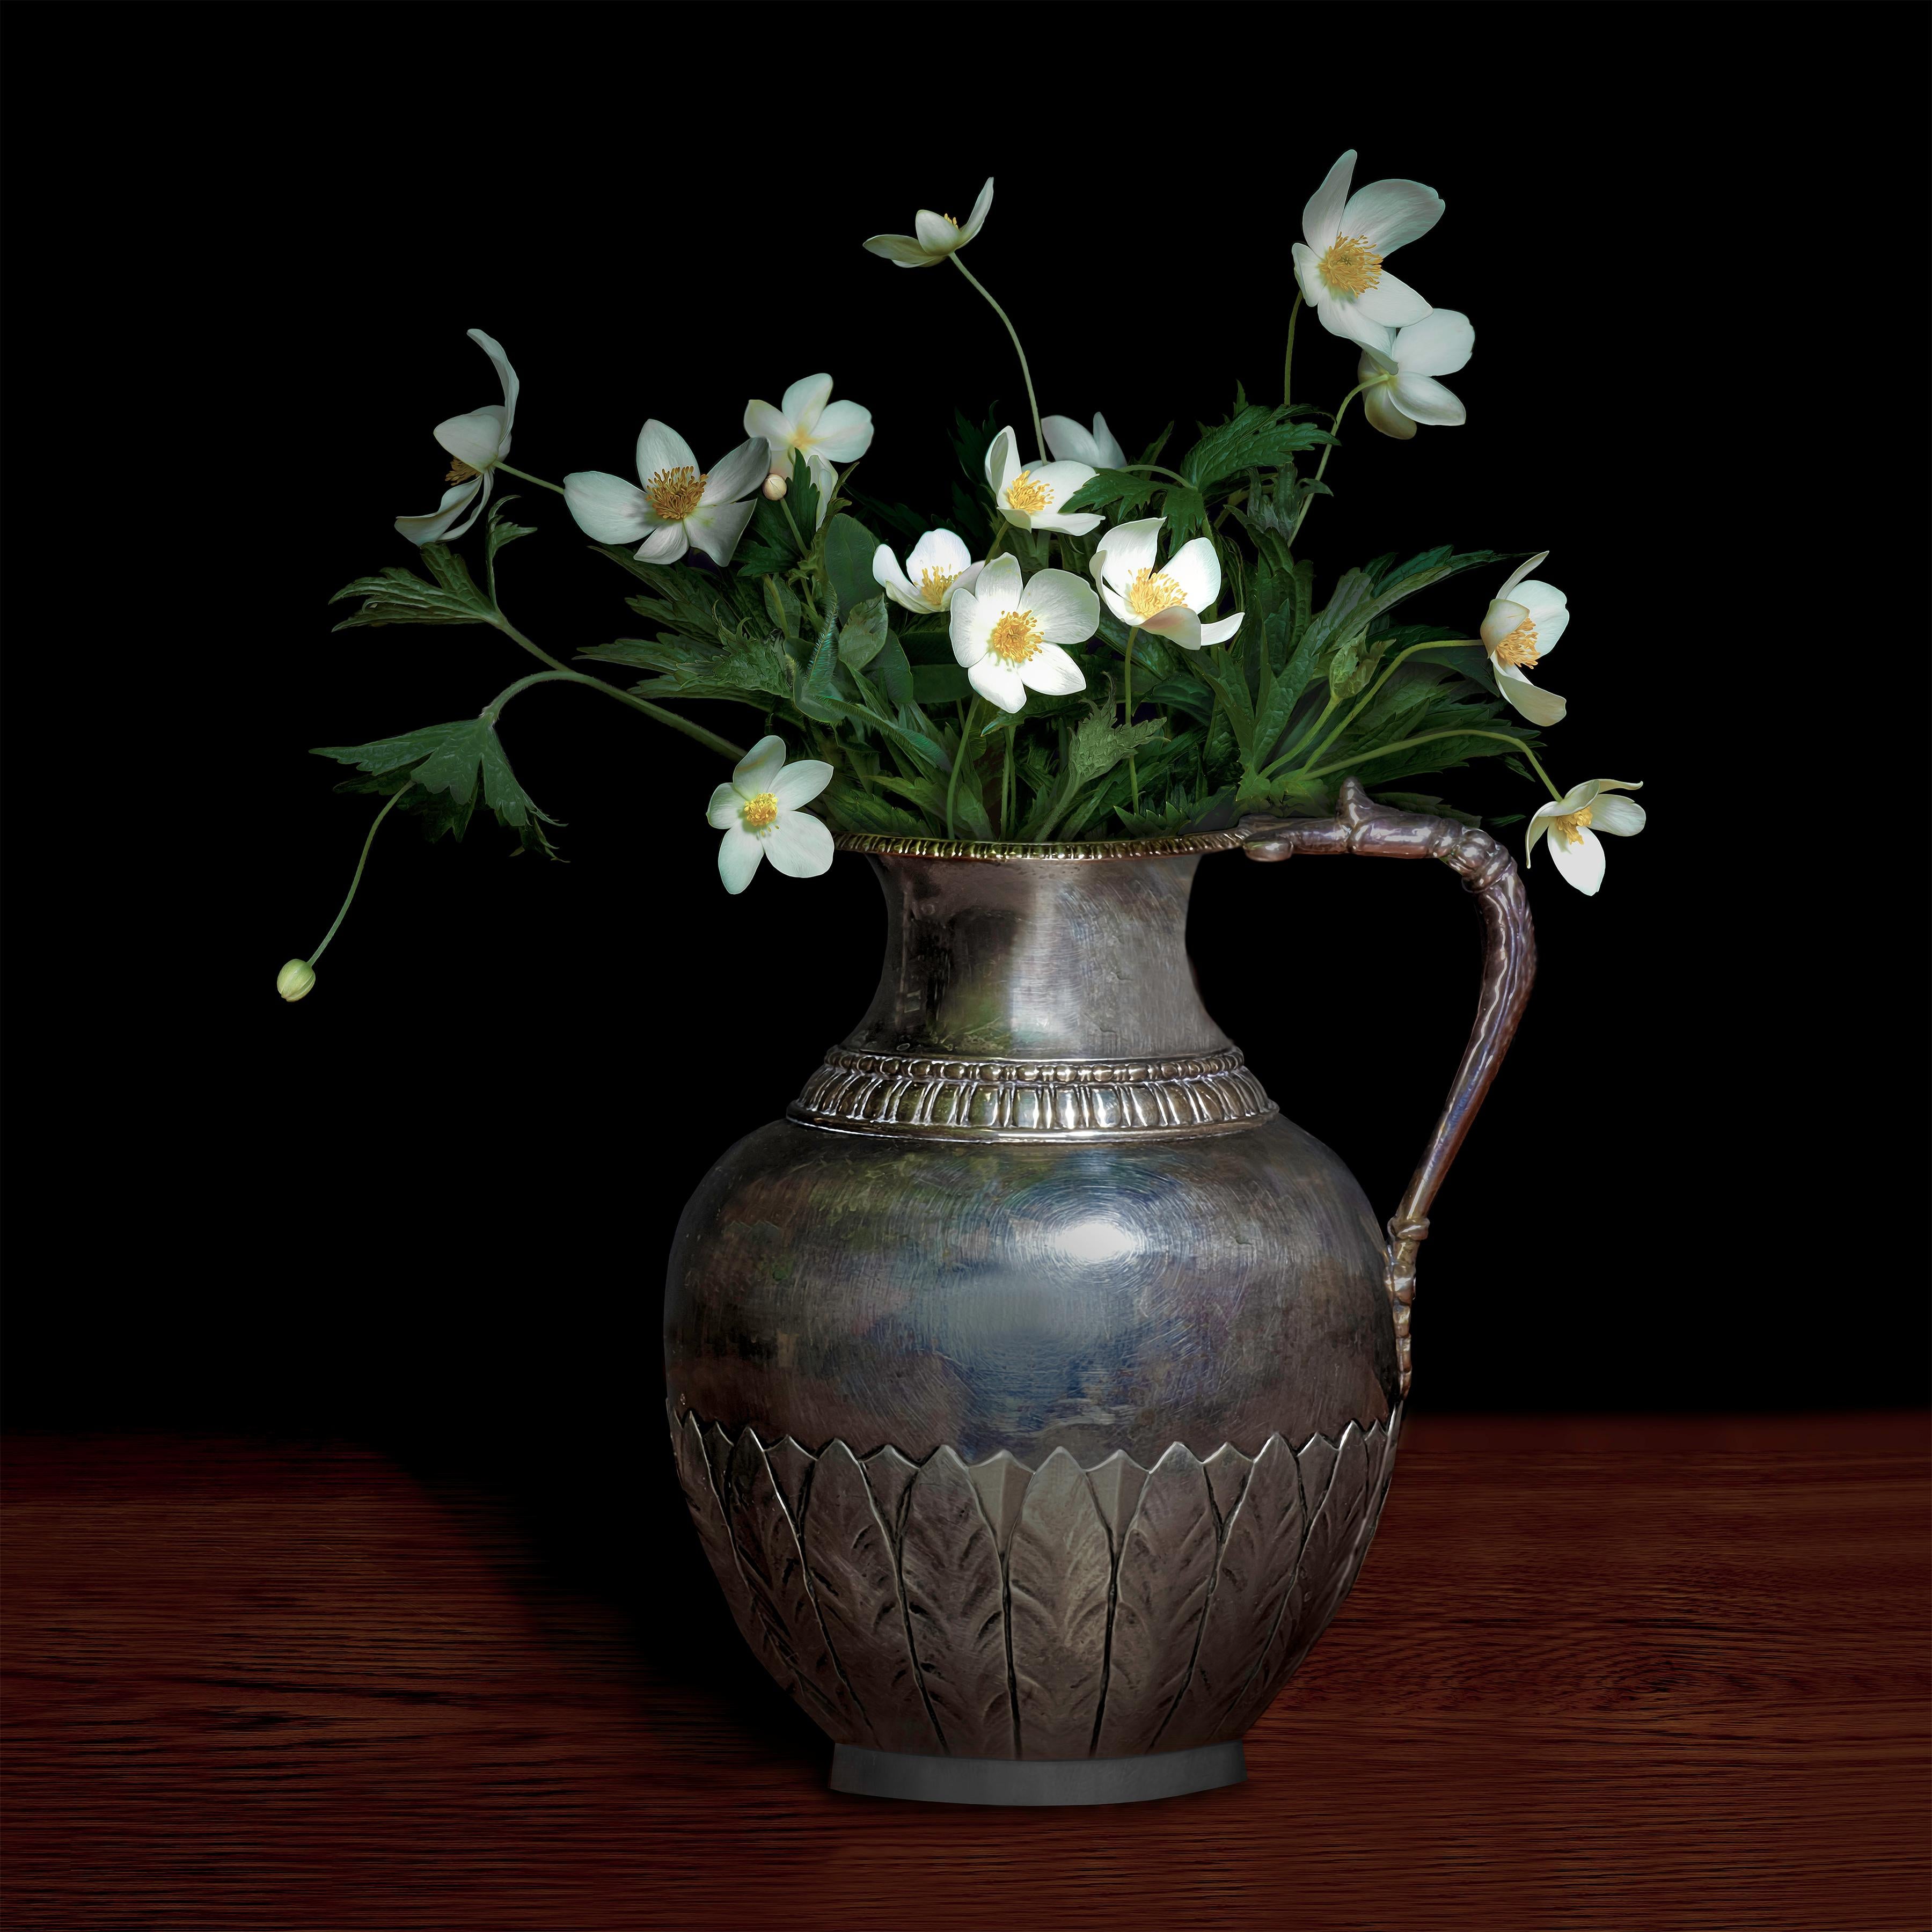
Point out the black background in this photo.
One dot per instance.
(429, 1206)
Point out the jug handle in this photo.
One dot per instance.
(1509, 964)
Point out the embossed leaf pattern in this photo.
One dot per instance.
(879, 1594)
(1167, 1568)
(1060, 1571)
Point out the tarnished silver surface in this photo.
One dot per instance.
(1040, 1269)
(991, 1781)
(987, 1610)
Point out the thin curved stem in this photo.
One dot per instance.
(1033, 402)
(1158, 469)
(525, 476)
(804, 548)
(1288, 361)
(710, 740)
(1438, 644)
(1328, 449)
(959, 759)
(1429, 737)
(344, 914)
(1127, 717)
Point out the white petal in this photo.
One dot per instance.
(1069, 441)
(716, 528)
(1178, 626)
(739, 852)
(1111, 455)
(976, 219)
(1504, 616)
(1050, 670)
(844, 432)
(893, 580)
(1538, 705)
(1321, 218)
(799, 784)
(1066, 609)
(971, 625)
(1387, 214)
(483, 488)
(1197, 569)
(606, 507)
(478, 439)
(1117, 604)
(765, 420)
(1622, 816)
(727, 801)
(802, 402)
(1306, 274)
(1582, 863)
(739, 474)
(799, 845)
(1002, 465)
(1378, 406)
(901, 250)
(937, 550)
(997, 683)
(665, 545)
(1344, 318)
(998, 588)
(660, 447)
(825, 480)
(1128, 549)
(965, 580)
(936, 235)
(1392, 301)
(1522, 571)
(492, 348)
(1061, 480)
(1422, 399)
(1077, 524)
(907, 599)
(1439, 344)
(1220, 631)
(429, 529)
(754, 772)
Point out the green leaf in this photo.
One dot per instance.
(689, 670)
(849, 550)
(1184, 692)
(768, 544)
(852, 810)
(781, 605)
(865, 632)
(892, 673)
(1423, 801)
(1119, 494)
(940, 684)
(817, 694)
(1257, 438)
(1098, 743)
(395, 596)
(500, 533)
(449, 758)
(1186, 513)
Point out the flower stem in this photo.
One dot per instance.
(959, 759)
(1039, 434)
(1158, 469)
(710, 740)
(525, 476)
(1439, 644)
(1328, 450)
(1288, 361)
(1127, 717)
(1429, 737)
(804, 548)
(359, 864)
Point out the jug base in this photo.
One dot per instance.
(1072, 1780)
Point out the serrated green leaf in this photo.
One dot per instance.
(499, 532)
(449, 758)
(1118, 493)
(690, 670)
(1186, 513)
(1256, 438)
(395, 596)
(817, 693)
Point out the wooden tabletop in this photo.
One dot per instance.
(1614, 1672)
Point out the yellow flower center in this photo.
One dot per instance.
(459, 472)
(1571, 825)
(1518, 647)
(1027, 495)
(1015, 637)
(934, 584)
(1149, 593)
(673, 493)
(761, 810)
(1351, 265)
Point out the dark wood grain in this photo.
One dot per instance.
(1611, 1674)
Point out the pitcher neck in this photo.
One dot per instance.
(1037, 960)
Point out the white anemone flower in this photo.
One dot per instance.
(1168, 601)
(1346, 239)
(937, 568)
(1525, 619)
(1009, 634)
(1026, 497)
(680, 506)
(1571, 824)
(1402, 389)
(938, 236)
(808, 423)
(1099, 448)
(477, 442)
(758, 813)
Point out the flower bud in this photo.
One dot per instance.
(295, 980)
(775, 488)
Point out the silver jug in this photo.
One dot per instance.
(1035, 1385)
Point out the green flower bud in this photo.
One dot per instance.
(295, 980)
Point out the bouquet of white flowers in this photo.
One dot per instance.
(1090, 648)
